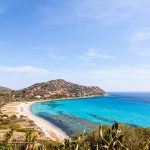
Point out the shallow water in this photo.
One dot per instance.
(75, 115)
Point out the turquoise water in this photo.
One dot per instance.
(75, 115)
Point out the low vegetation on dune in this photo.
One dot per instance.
(117, 137)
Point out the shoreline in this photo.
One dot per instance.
(68, 98)
(49, 130)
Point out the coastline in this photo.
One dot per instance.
(68, 98)
(24, 108)
(50, 131)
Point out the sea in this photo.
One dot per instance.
(77, 115)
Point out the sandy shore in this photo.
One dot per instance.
(50, 131)
(23, 108)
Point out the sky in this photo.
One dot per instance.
(90, 42)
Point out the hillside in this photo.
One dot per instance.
(57, 89)
(5, 95)
(4, 90)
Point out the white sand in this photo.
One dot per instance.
(48, 128)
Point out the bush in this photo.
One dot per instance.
(118, 137)
(13, 117)
(15, 127)
(5, 121)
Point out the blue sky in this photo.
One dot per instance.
(91, 42)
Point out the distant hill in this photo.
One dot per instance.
(4, 90)
(57, 89)
(5, 95)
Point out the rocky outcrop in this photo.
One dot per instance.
(57, 89)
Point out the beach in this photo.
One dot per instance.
(23, 108)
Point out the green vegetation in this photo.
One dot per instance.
(58, 96)
(104, 138)
(10, 122)
(5, 98)
(55, 89)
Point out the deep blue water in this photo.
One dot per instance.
(75, 115)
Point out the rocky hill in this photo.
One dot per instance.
(57, 89)
(4, 90)
(5, 95)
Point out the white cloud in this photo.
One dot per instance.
(24, 76)
(23, 69)
(124, 78)
(121, 78)
(124, 72)
(141, 36)
(102, 11)
(94, 54)
(113, 11)
(141, 52)
(139, 43)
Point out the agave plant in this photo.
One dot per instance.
(112, 139)
(30, 138)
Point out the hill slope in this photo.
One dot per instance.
(5, 95)
(57, 89)
(4, 90)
